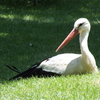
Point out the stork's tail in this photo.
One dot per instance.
(35, 70)
(32, 71)
(13, 68)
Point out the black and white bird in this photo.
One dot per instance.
(67, 63)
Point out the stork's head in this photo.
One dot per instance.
(80, 26)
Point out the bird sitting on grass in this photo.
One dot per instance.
(67, 63)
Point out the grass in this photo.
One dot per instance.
(45, 26)
(85, 87)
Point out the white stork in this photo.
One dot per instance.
(67, 63)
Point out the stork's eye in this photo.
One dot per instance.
(80, 24)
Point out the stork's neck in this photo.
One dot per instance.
(88, 59)
(84, 42)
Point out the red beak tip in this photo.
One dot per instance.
(56, 51)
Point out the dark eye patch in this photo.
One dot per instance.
(80, 24)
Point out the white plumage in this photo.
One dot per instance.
(68, 63)
(63, 64)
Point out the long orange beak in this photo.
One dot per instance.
(71, 35)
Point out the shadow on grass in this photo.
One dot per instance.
(43, 26)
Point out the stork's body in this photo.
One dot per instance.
(64, 64)
(69, 63)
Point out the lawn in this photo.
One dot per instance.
(45, 26)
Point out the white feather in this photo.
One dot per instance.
(68, 64)
(65, 64)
